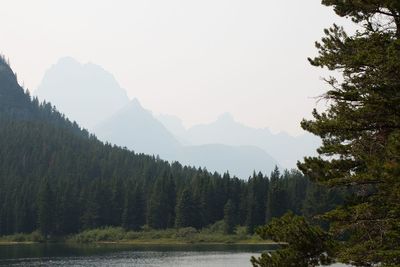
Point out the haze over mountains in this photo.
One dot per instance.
(86, 93)
(286, 149)
(90, 95)
(136, 128)
(58, 180)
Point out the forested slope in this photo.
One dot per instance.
(58, 178)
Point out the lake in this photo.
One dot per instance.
(130, 255)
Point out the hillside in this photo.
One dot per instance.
(59, 179)
(135, 128)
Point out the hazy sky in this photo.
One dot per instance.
(194, 59)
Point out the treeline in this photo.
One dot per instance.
(59, 179)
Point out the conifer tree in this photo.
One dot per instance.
(132, 216)
(46, 211)
(161, 210)
(187, 212)
(229, 217)
(302, 245)
(277, 203)
(360, 130)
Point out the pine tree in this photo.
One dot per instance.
(161, 210)
(117, 202)
(229, 217)
(360, 130)
(46, 211)
(277, 203)
(256, 203)
(303, 245)
(132, 216)
(187, 212)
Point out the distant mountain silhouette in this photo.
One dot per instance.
(238, 160)
(86, 93)
(175, 126)
(286, 149)
(91, 96)
(137, 129)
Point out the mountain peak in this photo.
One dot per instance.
(135, 102)
(67, 61)
(86, 93)
(226, 117)
(133, 105)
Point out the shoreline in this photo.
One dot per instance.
(117, 235)
(177, 242)
(160, 242)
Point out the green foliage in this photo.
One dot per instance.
(229, 218)
(212, 234)
(277, 197)
(187, 212)
(35, 236)
(58, 178)
(162, 203)
(257, 201)
(362, 11)
(46, 210)
(302, 245)
(133, 213)
(360, 130)
(186, 233)
(107, 234)
(320, 199)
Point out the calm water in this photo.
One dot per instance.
(130, 255)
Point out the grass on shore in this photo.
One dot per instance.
(34, 237)
(211, 234)
(168, 236)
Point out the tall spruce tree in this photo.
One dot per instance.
(256, 203)
(187, 212)
(360, 130)
(161, 210)
(132, 215)
(277, 203)
(229, 217)
(46, 210)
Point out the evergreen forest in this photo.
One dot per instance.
(60, 179)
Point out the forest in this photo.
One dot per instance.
(57, 178)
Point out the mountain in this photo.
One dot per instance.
(237, 160)
(59, 179)
(137, 129)
(13, 101)
(91, 96)
(286, 149)
(175, 126)
(85, 93)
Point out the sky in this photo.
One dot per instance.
(192, 59)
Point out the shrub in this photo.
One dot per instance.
(187, 232)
